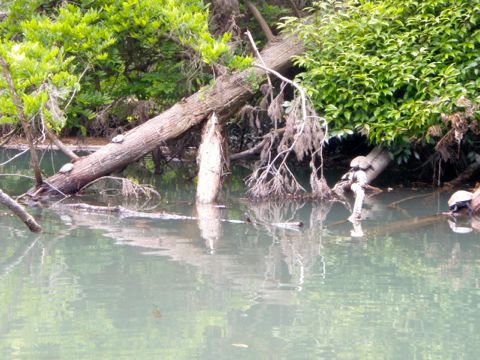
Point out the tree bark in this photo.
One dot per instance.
(225, 97)
(379, 158)
(211, 158)
(18, 210)
(476, 202)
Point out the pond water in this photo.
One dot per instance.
(106, 287)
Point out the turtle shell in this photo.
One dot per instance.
(66, 168)
(118, 139)
(460, 197)
(360, 162)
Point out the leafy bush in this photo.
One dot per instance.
(388, 68)
(113, 49)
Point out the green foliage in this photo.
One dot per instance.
(388, 68)
(134, 48)
(39, 74)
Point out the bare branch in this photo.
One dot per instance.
(303, 134)
(23, 120)
(53, 138)
(19, 211)
(261, 21)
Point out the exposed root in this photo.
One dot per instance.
(460, 122)
(128, 189)
(304, 135)
(275, 215)
(319, 186)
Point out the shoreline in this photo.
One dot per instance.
(72, 143)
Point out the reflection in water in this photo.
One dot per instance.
(99, 286)
(209, 224)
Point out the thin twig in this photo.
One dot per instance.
(14, 157)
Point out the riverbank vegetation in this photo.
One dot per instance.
(402, 75)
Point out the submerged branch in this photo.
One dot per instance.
(129, 188)
(19, 211)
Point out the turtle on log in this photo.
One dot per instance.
(360, 163)
(460, 200)
(118, 139)
(65, 169)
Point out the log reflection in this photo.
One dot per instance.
(209, 224)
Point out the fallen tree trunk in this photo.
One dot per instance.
(224, 97)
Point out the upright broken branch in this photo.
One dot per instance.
(211, 159)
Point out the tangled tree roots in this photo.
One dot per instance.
(303, 135)
(124, 188)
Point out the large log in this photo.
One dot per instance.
(224, 97)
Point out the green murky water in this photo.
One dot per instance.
(96, 286)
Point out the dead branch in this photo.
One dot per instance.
(122, 212)
(7, 137)
(225, 96)
(128, 189)
(413, 197)
(303, 134)
(14, 157)
(63, 148)
(260, 20)
(406, 225)
(23, 120)
(255, 150)
(19, 211)
(257, 53)
(465, 176)
(294, 8)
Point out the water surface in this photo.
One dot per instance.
(106, 287)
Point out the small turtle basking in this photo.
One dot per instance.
(65, 169)
(360, 163)
(118, 139)
(459, 200)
